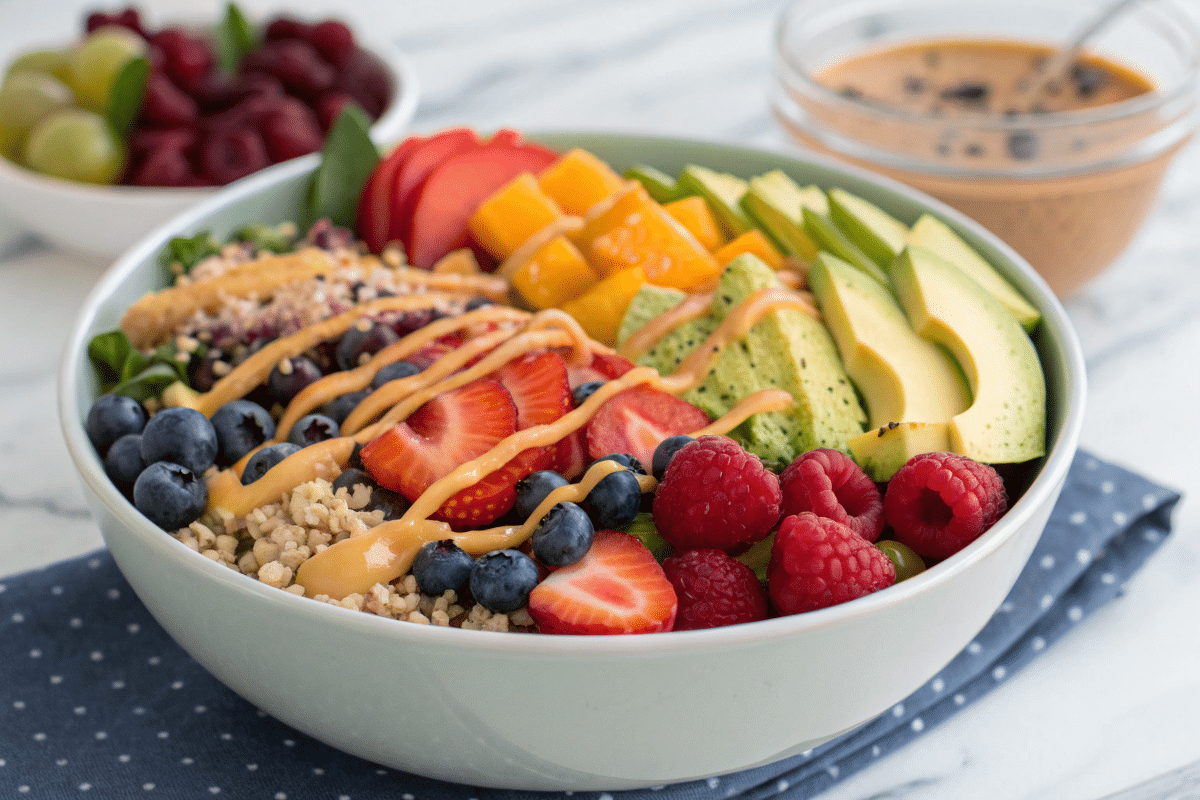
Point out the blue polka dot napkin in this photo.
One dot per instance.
(97, 701)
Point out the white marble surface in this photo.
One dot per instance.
(1114, 703)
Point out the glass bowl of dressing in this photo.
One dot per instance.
(933, 93)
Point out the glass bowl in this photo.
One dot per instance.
(1072, 201)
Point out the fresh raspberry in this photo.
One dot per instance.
(714, 590)
(715, 494)
(938, 503)
(829, 484)
(818, 562)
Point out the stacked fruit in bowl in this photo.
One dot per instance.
(175, 106)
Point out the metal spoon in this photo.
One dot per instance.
(1066, 55)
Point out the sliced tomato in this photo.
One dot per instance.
(456, 188)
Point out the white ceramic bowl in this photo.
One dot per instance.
(103, 221)
(567, 712)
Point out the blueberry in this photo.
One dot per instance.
(477, 302)
(394, 372)
(363, 340)
(625, 460)
(264, 459)
(440, 566)
(614, 502)
(583, 391)
(665, 451)
(111, 417)
(532, 490)
(563, 536)
(502, 580)
(340, 407)
(392, 504)
(241, 426)
(123, 461)
(182, 436)
(312, 428)
(170, 495)
(290, 376)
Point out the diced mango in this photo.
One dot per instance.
(631, 230)
(600, 309)
(694, 214)
(458, 262)
(512, 214)
(752, 241)
(553, 274)
(578, 180)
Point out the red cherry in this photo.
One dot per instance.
(226, 155)
(165, 105)
(126, 18)
(367, 81)
(282, 28)
(188, 58)
(333, 41)
(291, 131)
(165, 166)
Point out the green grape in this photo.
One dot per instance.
(25, 98)
(56, 62)
(906, 562)
(77, 145)
(97, 61)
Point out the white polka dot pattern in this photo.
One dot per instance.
(96, 680)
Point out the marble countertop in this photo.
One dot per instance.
(1116, 702)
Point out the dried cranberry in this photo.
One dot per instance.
(188, 58)
(165, 105)
(226, 155)
(291, 131)
(333, 41)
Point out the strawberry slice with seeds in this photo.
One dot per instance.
(571, 455)
(537, 383)
(636, 420)
(450, 429)
(616, 588)
(603, 367)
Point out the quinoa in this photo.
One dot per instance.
(272, 541)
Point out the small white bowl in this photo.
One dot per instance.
(103, 221)
(535, 712)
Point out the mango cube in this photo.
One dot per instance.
(578, 180)
(553, 274)
(752, 241)
(601, 308)
(512, 214)
(694, 214)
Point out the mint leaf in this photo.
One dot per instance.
(125, 370)
(149, 383)
(235, 37)
(347, 160)
(108, 353)
(125, 97)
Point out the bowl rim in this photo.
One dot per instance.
(390, 124)
(1050, 478)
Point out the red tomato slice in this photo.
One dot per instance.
(374, 206)
(455, 189)
(423, 161)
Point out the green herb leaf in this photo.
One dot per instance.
(108, 353)
(149, 383)
(125, 97)
(347, 160)
(272, 238)
(184, 252)
(235, 37)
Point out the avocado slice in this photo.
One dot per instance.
(787, 349)
(1006, 421)
(901, 376)
(881, 453)
(723, 193)
(877, 233)
(661, 187)
(828, 236)
(773, 202)
(936, 236)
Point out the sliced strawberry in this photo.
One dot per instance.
(455, 189)
(427, 354)
(636, 420)
(601, 368)
(538, 385)
(419, 166)
(490, 498)
(452, 428)
(617, 587)
(375, 205)
(571, 455)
